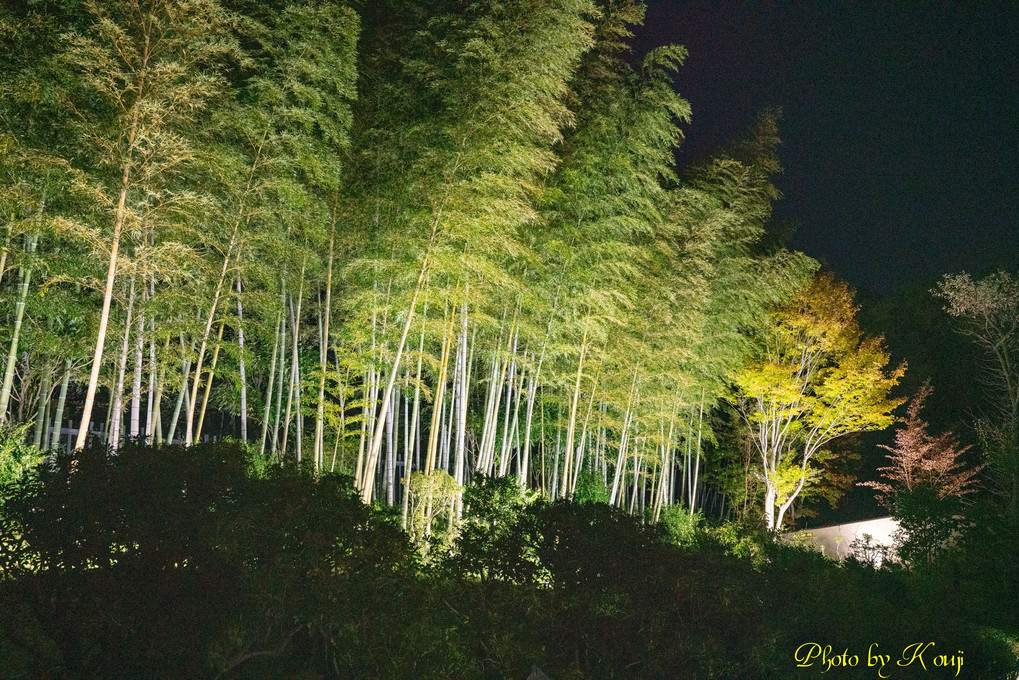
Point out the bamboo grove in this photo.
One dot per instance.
(413, 244)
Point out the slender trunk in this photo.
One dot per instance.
(697, 460)
(658, 488)
(376, 440)
(367, 412)
(525, 454)
(391, 424)
(487, 456)
(638, 464)
(461, 396)
(208, 384)
(6, 248)
(272, 379)
(617, 476)
(688, 465)
(440, 394)
(787, 504)
(572, 425)
(45, 387)
(493, 387)
(515, 432)
(510, 383)
(295, 368)
(185, 376)
(19, 315)
(542, 442)
(151, 416)
(413, 429)
(160, 387)
(583, 437)
(643, 482)
(139, 361)
(279, 378)
(111, 272)
(558, 447)
(189, 422)
(531, 394)
(61, 400)
(290, 384)
(320, 412)
(45, 440)
(105, 432)
(119, 388)
(366, 390)
(298, 413)
(341, 431)
(447, 432)
(240, 362)
(462, 393)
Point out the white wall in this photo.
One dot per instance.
(835, 541)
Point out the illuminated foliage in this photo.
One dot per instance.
(920, 459)
(923, 484)
(815, 378)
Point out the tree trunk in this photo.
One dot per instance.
(45, 387)
(510, 384)
(151, 413)
(459, 456)
(185, 375)
(19, 315)
(240, 362)
(115, 422)
(139, 361)
(769, 507)
(490, 409)
(572, 425)
(409, 455)
(268, 390)
(295, 369)
(189, 423)
(440, 395)
(697, 459)
(390, 459)
(61, 400)
(6, 248)
(376, 440)
(584, 436)
(621, 458)
(324, 350)
(280, 378)
(208, 384)
(111, 273)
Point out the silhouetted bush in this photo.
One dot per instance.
(171, 562)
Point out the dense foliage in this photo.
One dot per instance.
(392, 240)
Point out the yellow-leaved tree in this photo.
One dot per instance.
(814, 378)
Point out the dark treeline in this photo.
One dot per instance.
(443, 250)
(260, 571)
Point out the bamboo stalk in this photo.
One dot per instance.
(61, 400)
(268, 389)
(114, 438)
(19, 315)
(208, 384)
(240, 364)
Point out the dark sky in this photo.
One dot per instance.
(900, 123)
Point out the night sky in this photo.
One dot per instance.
(900, 124)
